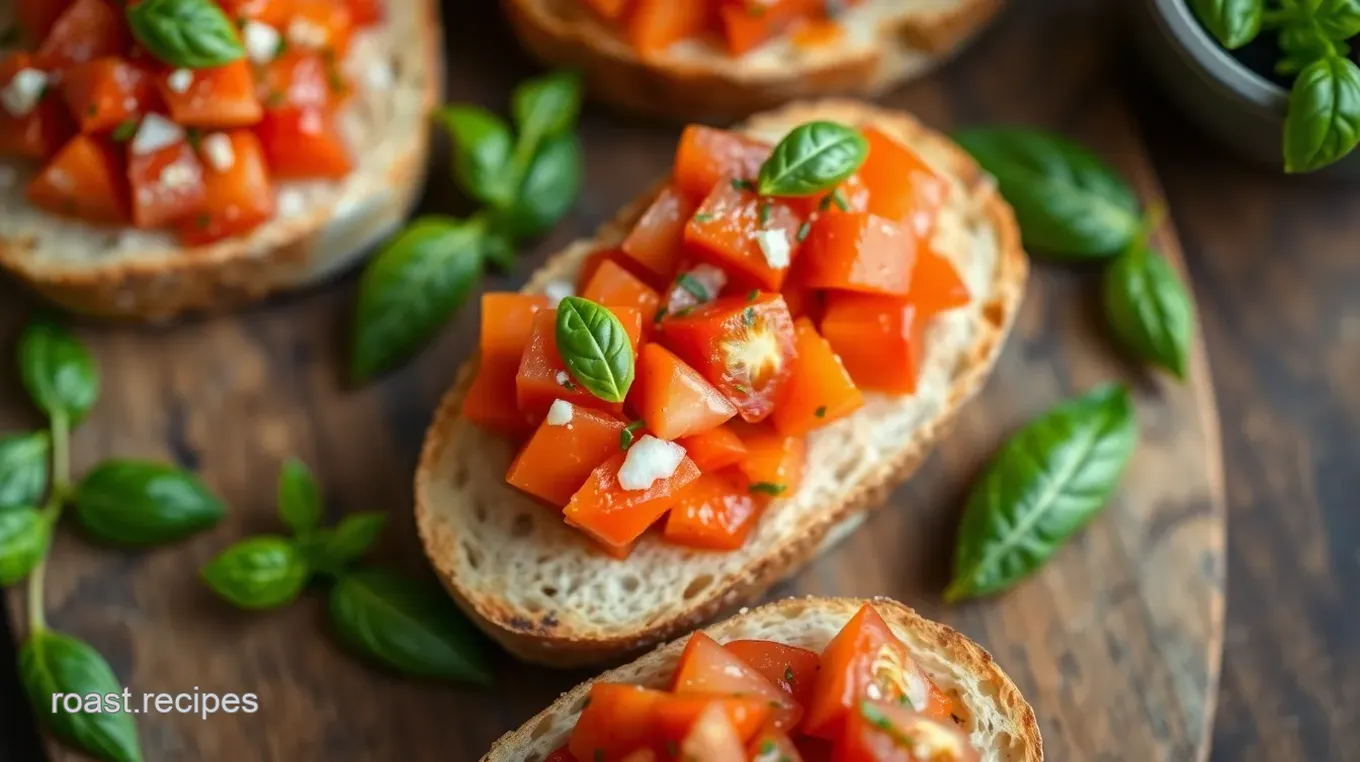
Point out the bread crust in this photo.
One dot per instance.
(293, 253)
(940, 639)
(719, 87)
(553, 643)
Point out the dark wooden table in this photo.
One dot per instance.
(1275, 265)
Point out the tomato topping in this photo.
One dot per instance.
(714, 449)
(617, 721)
(748, 24)
(40, 133)
(860, 252)
(223, 96)
(167, 186)
(83, 180)
(743, 346)
(303, 144)
(321, 25)
(772, 746)
(273, 12)
(714, 512)
(694, 285)
(673, 398)
(106, 92)
(877, 731)
(658, 238)
(792, 669)
(240, 194)
(708, 156)
(365, 12)
(851, 195)
(936, 286)
(36, 17)
(879, 340)
(616, 517)
(610, 9)
(707, 668)
(750, 236)
(560, 457)
(815, 749)
(491, 401)
(655, 25)
(676, 716)
(866, 661)
(301, 79)
(819, 390)
(612, 285)
(713, 739)
(902, 187)
(86, 30)
(543, 377)
(774, 463)
(560, 755)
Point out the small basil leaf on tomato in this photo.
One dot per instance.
(595, 348)
(1323, 122)
(1149, 309)
(138, 503)
(57, 370)
(195, 34)
(814, 157)
(1233, 23)
(482, 152)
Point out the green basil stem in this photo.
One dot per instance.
(56, 498)
(1152, 220)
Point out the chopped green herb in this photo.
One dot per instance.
(124, 131)
(660, 313)
(744, 185)
(568, 385)
(748, 317)
(804, 230)
(195, 137)
(788, 674)
(825, 203)
(821, 411)
(692, 285)
(684, 312)
(763, 213)
(838, 199)
(282, 47)
(274, 99)
(629, 433)
(703, 217)
(739, 389)
(767, 747)
(755, 294)
(769, 488)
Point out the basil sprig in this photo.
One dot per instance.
(595, 348)
(57, 371)
(23, 469)
(193, 34)
(527, 180)
(811, 159)
(1047, 482)
(1149, 309)
(1323, 123)
(25, 534)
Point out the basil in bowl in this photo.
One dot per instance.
(1287, 93)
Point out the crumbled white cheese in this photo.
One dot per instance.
(217, 149)
(180, 80)
(649, 459)
(155, 133)
(562, 378)
(379, 76)
(559, 414)
(261, 41)
(290, 202)
(557, 290)
(24, 91)
(775, 246)
(305, 33)
(178, 175)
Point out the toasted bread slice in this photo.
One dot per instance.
(885, 42)
(548, 595)
(999, 722)
(319, 230)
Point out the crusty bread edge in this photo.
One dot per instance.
(693, 91)
(551, 649)
(228, 275)
(955, 647)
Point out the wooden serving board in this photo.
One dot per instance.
(1116, 643)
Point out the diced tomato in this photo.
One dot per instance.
(860, 252)
(774, 463)
(747, 24)
(851, 195)
(614, 286)
(40, 133)
(86, 30)
(878, 339)
(792, 669)
(694, 285)
(223, 96)
(752, 237)
(167, 186)
(240, 194)
(819, 390)
(714, 449)
(707, 668)
(36, 17)
(301, 79)
(713, 739)
(878, 731)
(772, 746)
(83, 180)
(560, 755)
(272, 12)
(708, 156)
(658, 238)
(936, 286)
(106, 92)
(559, 459)
(714, 512)
(867, 661)
(743, 347)
(902, 187)
(322, 25)
(610, 9)
(677, 715)
(491, 401)
(617, 721)
(543, 377)
(655, 25)
(366, 12)
(589, 265)
(303, 144)
(616, 517)
(815, 749)
(673, 398)
(491, 404)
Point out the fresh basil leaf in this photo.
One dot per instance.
(549, 189)
(25, 534)
(410, 626)
(1047, 482)
(351, 539)
(813, 158)
(1233, 23)
(194, 34)
(1067, 200)
(58, 372)
(299, 498)
(23, 468)
(1338, 20)
(483, 151)
(1149, 309)
(595, 348)
(138, 503)
(415, 283)
(259, 573)
(545, 107)
(1323, 122)
(52, 662)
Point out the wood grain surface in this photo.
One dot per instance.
(1116, 643)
